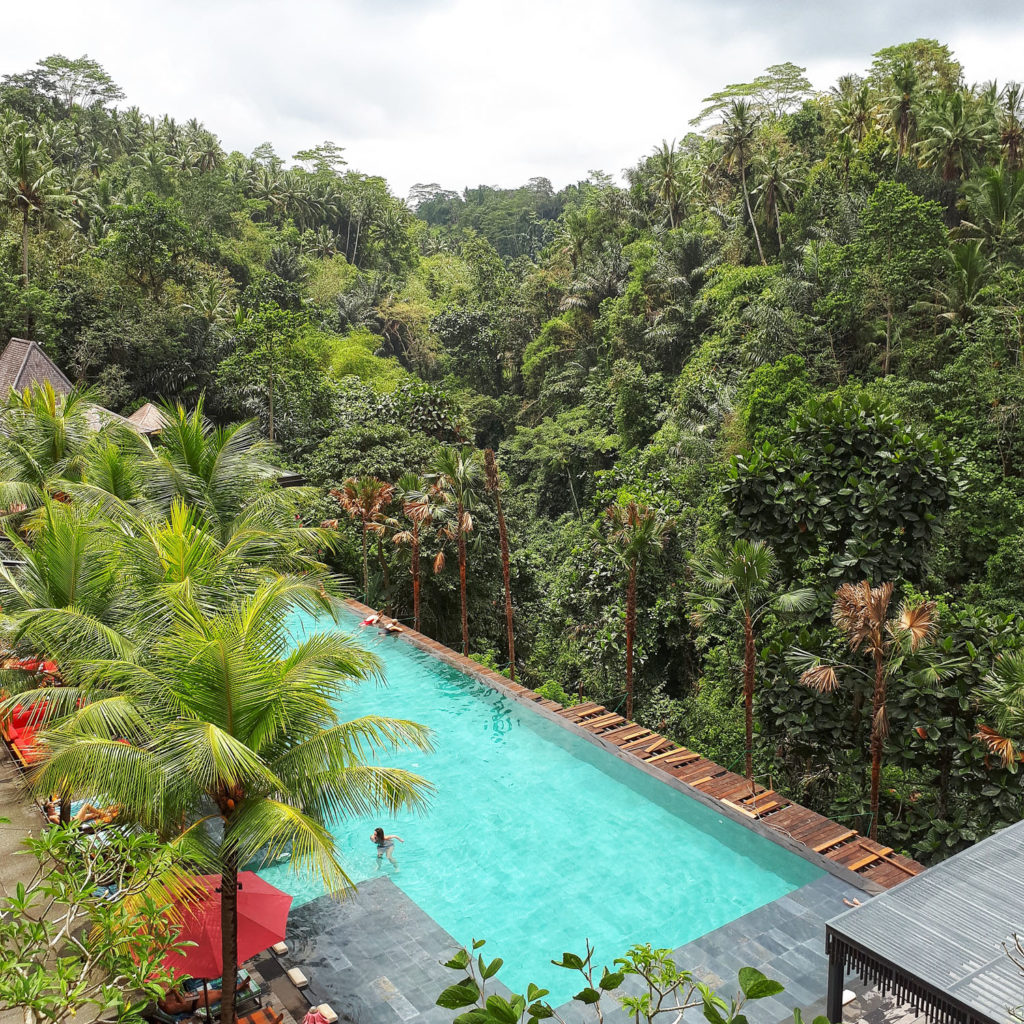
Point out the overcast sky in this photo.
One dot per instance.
(467, 92)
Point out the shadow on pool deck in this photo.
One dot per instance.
(375, 958)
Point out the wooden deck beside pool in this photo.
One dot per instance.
(841, 845)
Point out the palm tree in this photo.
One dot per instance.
(28, 183)
(506, 573)
(365, 499)
(669, 180)
(967, 268)
(422, 503)
(738, 132)
(1010, 121)
(218, 738)
(995, 206)
(744, 577)
(1002, 705)
(776, 181)
(855, 114)
(956, 133)
(861, 612)
(457, 473)
(902, 108)
(44, 438)
(635, 534)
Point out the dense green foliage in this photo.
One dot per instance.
(801, 324)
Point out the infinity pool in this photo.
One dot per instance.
(537, 839)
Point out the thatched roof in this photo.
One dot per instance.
(148, 420)
(23, 363)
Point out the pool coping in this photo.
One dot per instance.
(760, 826)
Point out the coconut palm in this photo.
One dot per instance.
(635, 534)
(744, 578)
(228, 475)
(220, 739)
(29, 183)
(669, 181)
(776, 180)
(861, 613)
(855, 114)
(506, 573)
(1010, 120)
(1002, 707)
(457, 473)
(365, 499)
(957, 131)
(738, 132)
(995, 206)
(44, 437)
(901, 108)
(954, 301)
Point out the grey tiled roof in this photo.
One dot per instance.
(23, 363)
(950, 926)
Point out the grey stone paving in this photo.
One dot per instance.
(375, 958)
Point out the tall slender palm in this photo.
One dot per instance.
(29, 183)
(423, 504)
(221, 739)
(365, 499)
(1002, 708)
(776, 180)
(738, 132)
(669, 181)
(861, 613)
(506, 572)
(635, 534)
(901, 109)
(1010, 118)
(855, 114)
(457, 473)
(744, 577)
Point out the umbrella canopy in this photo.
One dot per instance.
(262, 919)
(315, 1016)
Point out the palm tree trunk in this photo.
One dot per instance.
(749, 656)
(24, 247)
(229, 935)
(271, 421)
(778, 226)
(750, 212)
(416, 577)
(506, 572)
(385, 575)
(462, 583)
(366, 568)
(877, 740)
(630, 633)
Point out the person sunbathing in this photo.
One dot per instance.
(85, 815)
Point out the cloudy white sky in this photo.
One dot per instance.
(466, 92)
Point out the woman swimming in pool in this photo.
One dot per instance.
(385, 844)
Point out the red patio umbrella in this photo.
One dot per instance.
(262, 919)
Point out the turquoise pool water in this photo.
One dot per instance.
(537, 839)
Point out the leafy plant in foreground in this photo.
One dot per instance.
(659, 988)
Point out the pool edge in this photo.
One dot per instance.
(514, 691)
